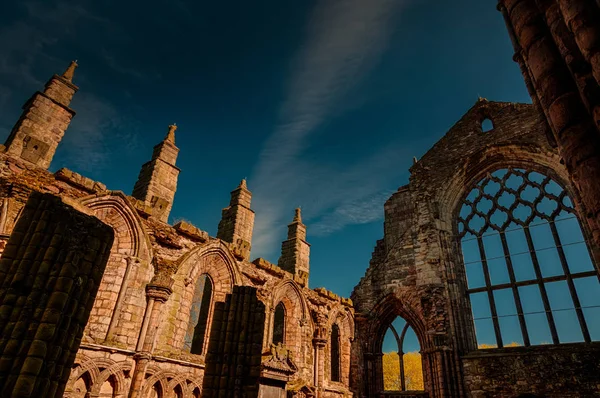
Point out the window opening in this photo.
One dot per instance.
(402, 365)
(199, 315)
(530, 276)
(279, 324)
(487, 125)
(335, 353)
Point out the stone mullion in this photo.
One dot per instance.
(515, 289)
(572, 290)
(540, 282)
(490, 293)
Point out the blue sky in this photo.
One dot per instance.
(319, 103)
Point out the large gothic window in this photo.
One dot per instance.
(335, 353)
(199, 317)
(530, 276)
(401, 361)
(279, 324)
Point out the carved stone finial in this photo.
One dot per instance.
(68, 75)
(298, 215)
(243, 184)
(171, 133)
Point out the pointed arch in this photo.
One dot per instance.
(124, 219)
(292, 291)
(156, 375)
(116, 371)
(119, 293)
(342, 318)
(297, 318)
(212, 259)
(394, 305)
(495, 157)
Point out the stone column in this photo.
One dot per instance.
(583, 20)
(49, 276)
(157, 293)
(573, 128)
(319, 344)
(233, 361)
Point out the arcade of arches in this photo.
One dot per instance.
(484, 284)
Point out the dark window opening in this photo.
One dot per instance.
(486, 125)
(199, 315)
(279, 324)
(335, 353)
(530, 276)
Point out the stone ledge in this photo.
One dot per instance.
(191, 231)
(79, 181)
(271, 268)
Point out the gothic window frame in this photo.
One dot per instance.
(461, 224)
(283, 323)
(208, 315)
(335, 358)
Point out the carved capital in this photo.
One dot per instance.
(160, 288)
(142, 356)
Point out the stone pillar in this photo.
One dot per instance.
(157, 182)
(237, 222)
(580, 69)
(49, 276)
(572, 125)
(319, 345)
(295, 251)
(320, 338)
(45, 118)
(157, 293)
(233, 361)
(583, 20)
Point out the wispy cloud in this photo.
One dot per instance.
(119, 67)
(86, 144)
(344, 40)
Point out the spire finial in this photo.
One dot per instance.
(171, 133)
(68, 75)
(243, 184)
(298, 215)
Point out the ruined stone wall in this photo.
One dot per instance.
(115, 351)
(416, 271)
(49, 276)
(569, 370)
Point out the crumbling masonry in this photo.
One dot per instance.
(174, 304)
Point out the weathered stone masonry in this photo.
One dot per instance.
(417, 270)
(136, 342)
(152, 322)
(49, 276)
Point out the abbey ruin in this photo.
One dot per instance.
(490, 254)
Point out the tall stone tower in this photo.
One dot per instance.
(237, 221)
(295, 251)
(45, 118)
(157, 182)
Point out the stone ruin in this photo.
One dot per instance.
(179, 313)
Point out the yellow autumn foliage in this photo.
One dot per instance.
(484, 346)
(413, 371)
